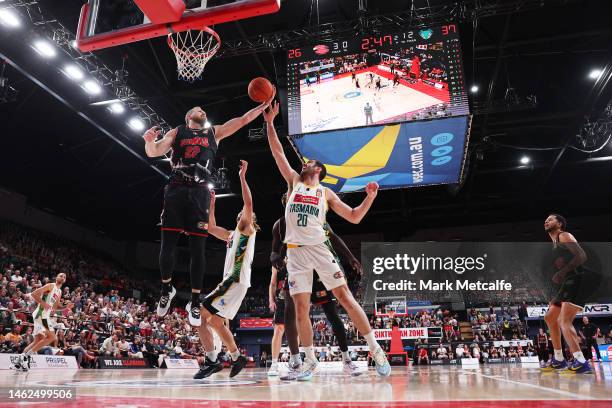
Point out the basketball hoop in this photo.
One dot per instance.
(193, 49)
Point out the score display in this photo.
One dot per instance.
(375, 80)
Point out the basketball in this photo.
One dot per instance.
(260, 90)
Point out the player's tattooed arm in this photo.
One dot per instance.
(290, 175)
(233, 125)
(344, 252)
(154, 147)
(272, 290)
(579, 258)
(352, 215)
(218, 232)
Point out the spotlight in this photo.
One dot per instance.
(9, 19)
(45, 49)
(73, 72)
(211, 186)
(73, 44)
(117, 108)
(595, 74)
(136, 124)
(525, 160)
(474, 89)
(92, 87)
(207, 125)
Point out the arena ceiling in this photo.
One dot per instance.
(531, 61)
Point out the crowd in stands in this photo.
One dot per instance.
(106, 319)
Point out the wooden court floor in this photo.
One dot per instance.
(496, 386)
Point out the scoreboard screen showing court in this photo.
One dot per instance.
(389, 78)
(409, 154)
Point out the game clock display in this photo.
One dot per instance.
(374, 80)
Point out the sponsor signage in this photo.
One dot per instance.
(532, 359)
(406, 333)
(106, 362)
(605, 350)
(512, 343)
(40, 361)
(256, 323)
(592, 309)
(469, 362)
(181, 363)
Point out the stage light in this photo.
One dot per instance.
(595, 74)
(211, 186)
(207, 125)
(73, 44)
(525, 160)
(474, 89)
(136, 124)
(44, 48)
(73, 72)
(9, 19)
(92, 87)
(117, 108)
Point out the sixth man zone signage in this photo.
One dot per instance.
(395, 156)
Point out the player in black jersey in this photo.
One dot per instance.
(187, 196)
(320, 296)
(568, 258)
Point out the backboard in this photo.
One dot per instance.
(390, 305)
(108, 23)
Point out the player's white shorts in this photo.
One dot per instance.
(42, 325)
(301, 262)
(225, 302)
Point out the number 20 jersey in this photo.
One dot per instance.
(305, 215)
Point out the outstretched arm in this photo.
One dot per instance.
(233, 125)
(353, 215)
(218, 232)
(158, 148)
(246, 218)
(290, 175)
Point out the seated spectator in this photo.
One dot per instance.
(442, 353)
(422, 357)
(109, 348)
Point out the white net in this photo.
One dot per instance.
(193, 49)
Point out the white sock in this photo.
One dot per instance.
(296, 359)
(372, 343)
(346, 356)
(235, 355)
(578, 356)
(559, 355)
(212, 355)
(310, 355)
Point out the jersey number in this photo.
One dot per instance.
(191, 152)
(302, 220)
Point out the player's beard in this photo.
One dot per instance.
(198, 119)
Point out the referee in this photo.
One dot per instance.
(587, 334)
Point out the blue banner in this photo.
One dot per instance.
(605, 350)
(395, 156)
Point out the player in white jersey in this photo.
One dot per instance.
(307, 250)
(48, 299)
(224, 302)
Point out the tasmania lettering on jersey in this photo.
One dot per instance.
(305, 215)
